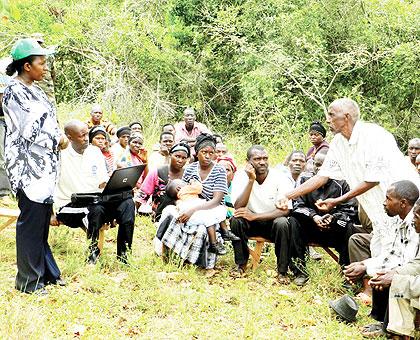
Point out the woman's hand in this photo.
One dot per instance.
(185, 216)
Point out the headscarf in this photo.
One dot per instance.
(125, 130)
(96, 130)
(135, 136)
(204, 140)
(181, 147)
(317, 126)
(229, 160)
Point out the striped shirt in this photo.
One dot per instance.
(214, 182)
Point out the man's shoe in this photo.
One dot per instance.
(123, 257)
(59, 282)
(93, 256)
(283, 279)
(229, 236)
(314, 255)
(217, 248)
(300, 280)
(40, 292)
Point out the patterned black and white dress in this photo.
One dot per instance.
(32, 138)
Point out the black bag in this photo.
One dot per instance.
(86, 199)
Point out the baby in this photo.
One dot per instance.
(187, 197)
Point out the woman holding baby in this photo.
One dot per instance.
(194, 242)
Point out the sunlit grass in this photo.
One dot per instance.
(150, 299)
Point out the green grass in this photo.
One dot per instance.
(150, 299)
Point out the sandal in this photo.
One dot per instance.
(364, 299)
(373, 330)
(239, 271)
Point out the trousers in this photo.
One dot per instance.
(304, 230)
(359, 247)
(94, 216)
(35, 262)
(276, 230)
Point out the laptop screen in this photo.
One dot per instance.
(123, 179)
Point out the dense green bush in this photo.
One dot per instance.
(263, 69)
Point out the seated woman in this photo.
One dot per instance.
(100, 138)
(186, 196)
(317, 135)
(123, 135)
(156, 180)
(136, 154)
(190, 242)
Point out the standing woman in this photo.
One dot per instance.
(33, 140)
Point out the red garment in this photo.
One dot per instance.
(313, 151)
(109, 161)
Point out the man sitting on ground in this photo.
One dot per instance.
(331, 229)
(83, 170)
(96, 118)
(254, 193)
(400, 199)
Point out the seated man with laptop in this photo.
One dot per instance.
(79, 200)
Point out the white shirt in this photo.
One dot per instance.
(371, 155)
(263, 196)
(80, 173)
(405, 247)
(117, 150)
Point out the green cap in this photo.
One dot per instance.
(26, 47)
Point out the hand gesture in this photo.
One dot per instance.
(382, 280)
(318, 221)
(282, 203)
(64, 142)
(244, 213)
(250, 171)
(354, 271)
(326, 205)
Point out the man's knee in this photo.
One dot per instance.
(126, 212)
(356, 241)
(237, 225)
(281, 223)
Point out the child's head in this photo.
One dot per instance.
(173, 188)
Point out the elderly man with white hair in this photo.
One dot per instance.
(368, 158)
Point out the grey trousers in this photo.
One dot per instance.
(4, 180)
(359, 247)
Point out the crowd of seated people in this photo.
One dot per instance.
(358, 193)
(199, 200)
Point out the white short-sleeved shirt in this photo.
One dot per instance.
(263, 196)
(79, 173)
(370, 155)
